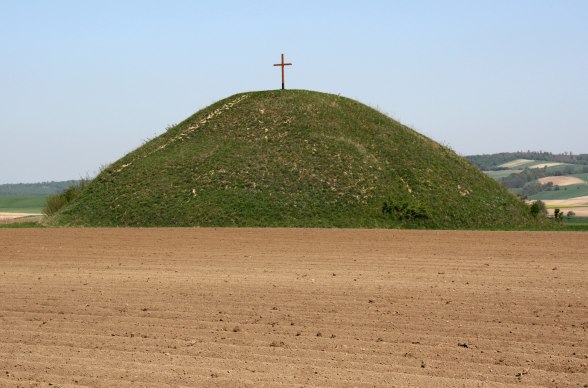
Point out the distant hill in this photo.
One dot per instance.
(294, 158)
(35, 189)
(560, 181)
(522, 172)
(488, 162)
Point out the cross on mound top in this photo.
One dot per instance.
(283, 65)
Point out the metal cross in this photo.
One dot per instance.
(283, 64)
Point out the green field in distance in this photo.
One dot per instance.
(22, 204)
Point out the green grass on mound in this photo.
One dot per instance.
(294, 159)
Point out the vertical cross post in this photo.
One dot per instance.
(282, 65)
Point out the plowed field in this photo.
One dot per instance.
(562, 180)
(270, 307)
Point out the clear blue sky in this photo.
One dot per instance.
(84, 82)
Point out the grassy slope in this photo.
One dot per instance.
(565, 192)
(22, 204)
(292, 158)
(22, 225)
(531, 163)
(501, 173)
(575, 224)
(576, 221)
(528, 164)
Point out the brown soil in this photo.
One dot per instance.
(19, 220)
(515, 163)
(543, 165)
(579, 211)
(562, 180)
(11, 216)
(571, 201)
(251, 307)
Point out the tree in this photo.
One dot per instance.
(538, 207)
(558, 215)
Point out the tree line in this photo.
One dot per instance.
(36, 189)
(488, 162)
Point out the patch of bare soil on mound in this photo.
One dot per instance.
(251, 307)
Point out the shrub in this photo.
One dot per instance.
(405, 210)
(538, 207)
(558, 215)
(57, 201)
(532, 188)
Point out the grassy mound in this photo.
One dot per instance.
(295, 159)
